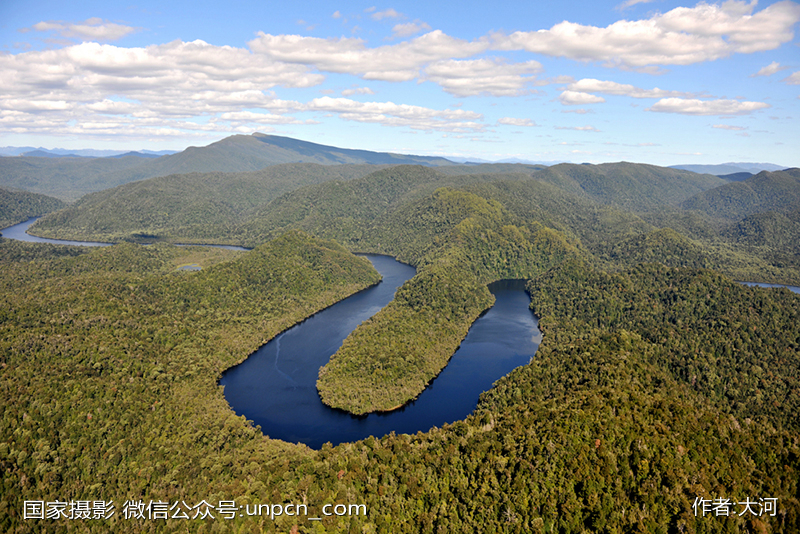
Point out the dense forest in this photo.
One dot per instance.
(660, 382)
(19, 206)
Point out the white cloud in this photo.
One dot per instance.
(482, 76)
(578, 128)
(386, 14)
(728, 127)
(577, 98)
(358, 91)
(409, 28)
(510, 121)
(793, 79)
(91, 29)
(706, 107)
(769, 70)
(395, 63)
(251, 117)
(403, 115)
(195, 86)
(682, 36)
(337, 15)
(96, 88)
(589, 85)
(630, 3)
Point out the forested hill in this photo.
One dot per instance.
(767, 191)
(70, 178)
(186, 208)
(19, 206)
(631, 186)
(204, 207)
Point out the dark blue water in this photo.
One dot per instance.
(276, 386)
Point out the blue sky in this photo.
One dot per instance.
(653, 81)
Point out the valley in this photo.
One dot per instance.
(659, 379)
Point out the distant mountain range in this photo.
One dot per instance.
(71, 174)
(69, 177)
(30, 151)
(731, 168)
(195, 206)
(478, 161)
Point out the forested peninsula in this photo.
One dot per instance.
(660, 380)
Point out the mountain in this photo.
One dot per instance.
(82, 152)
(736, 176)
(149, 155)
(472, 161)
(731, 168)
(240, 153)
(630, 186)
(766, 191)
(46, 154)
(591, 202)
(69, 179)
(188, 207)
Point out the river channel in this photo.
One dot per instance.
(20, 233)
(276, 386)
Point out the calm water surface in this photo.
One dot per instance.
(276, 386)
(794, 289)
(20, 233)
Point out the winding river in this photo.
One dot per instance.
(20, 233)
(276, 386)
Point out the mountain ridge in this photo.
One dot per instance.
(69, 178)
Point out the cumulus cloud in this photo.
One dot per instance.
(182, 86)
(91, 29)
(682, 36)
(589, 85)
(769, 70)
(793, 79)
(391, 114)
(395, 63)
(94, 87)
(510, 121)
(706, 107)
(577, 98)
(482, 76)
